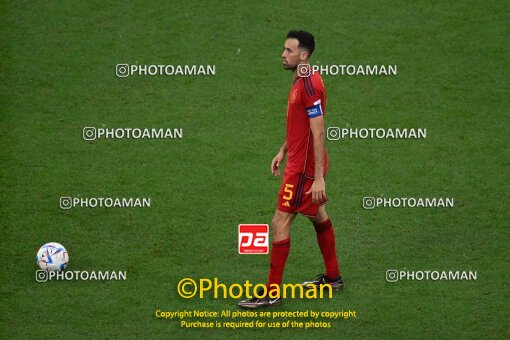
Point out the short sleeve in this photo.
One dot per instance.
(312, 98)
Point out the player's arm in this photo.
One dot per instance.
(280, 156)
(318, 189)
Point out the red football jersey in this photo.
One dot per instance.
(307, 100)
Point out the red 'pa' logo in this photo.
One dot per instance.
(253, 239)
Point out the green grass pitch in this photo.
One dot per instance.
(57, 74)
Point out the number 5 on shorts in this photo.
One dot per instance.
(288, 190)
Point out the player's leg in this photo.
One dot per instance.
(279, 252)
(281, 246)
(286, 211)
(282, 219)
(326, 240)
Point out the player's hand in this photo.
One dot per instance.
(275, 164)
(318, 191)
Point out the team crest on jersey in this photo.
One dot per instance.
(293, 96)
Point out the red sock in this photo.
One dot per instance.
(326, 239)
(279, 253)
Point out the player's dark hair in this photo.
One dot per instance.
(305, 39)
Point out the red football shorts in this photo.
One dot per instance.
(292, 198)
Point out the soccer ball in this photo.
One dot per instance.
(52, 257)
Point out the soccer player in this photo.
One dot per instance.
(303, 188)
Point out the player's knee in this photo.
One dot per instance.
(276, 222)
(279, 228)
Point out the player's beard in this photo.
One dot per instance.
(290, 67)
